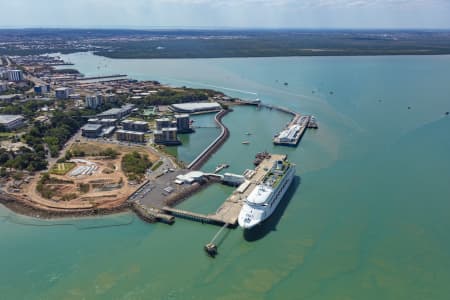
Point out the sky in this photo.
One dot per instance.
(358, 14)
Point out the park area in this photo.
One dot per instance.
(62, 168)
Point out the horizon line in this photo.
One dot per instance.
(218, 28)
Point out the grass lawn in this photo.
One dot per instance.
(62, 168)
(6, 135)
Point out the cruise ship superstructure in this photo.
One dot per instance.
(267, 194)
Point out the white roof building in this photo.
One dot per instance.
(196, 107)
(11, 121)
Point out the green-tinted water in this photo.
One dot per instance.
(368, 218)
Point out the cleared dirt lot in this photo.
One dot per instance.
(106, 186)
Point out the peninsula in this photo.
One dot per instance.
(85, 146)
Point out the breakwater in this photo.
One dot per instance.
(215, 145)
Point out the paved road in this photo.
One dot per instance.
(62, 153)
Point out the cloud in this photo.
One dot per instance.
(228, 13)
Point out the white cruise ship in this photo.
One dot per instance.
(265, 197)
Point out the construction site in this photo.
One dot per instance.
(85, 183)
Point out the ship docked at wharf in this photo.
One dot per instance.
(265, 197)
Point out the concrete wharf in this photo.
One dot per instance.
(297, 119)
(228, 212)
(297, 127)
(158, 206)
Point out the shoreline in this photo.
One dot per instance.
(28, 208)
(20, 207)
(24, 207)
(420, 54)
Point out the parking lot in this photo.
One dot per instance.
(160, 186)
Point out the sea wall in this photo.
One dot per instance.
(28, 208)
(198, 162)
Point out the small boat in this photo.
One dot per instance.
(248, 133)
(245, 142)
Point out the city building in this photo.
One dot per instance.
(183, 123)
(108, 131)
(162, 123)
(233, 179)
(91, 130)
(11, 121)
(109, 98)
(116, 113)
(3, 86)
(132, 125)
(289, 135)
(166, 136)
(189, 178)
(63, 93)
(130, 136)
(108, 122)
(14, 75)
(94, 121)
(10, 98)
(93, 101)
(195, 107)
(41, 89)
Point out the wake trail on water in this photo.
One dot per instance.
(214, 86)
(12, 219)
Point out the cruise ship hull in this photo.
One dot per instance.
(253, 215)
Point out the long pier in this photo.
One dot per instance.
(214, 146)
(304, 122)
(209, 219)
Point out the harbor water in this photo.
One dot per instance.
(367, 217)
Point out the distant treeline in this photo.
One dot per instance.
(230, 43)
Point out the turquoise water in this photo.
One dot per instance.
(368, 217)
(206, 131)
(207, 201)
